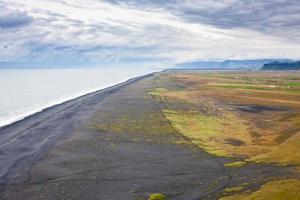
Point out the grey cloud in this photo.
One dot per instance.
(146, 3)
(10, 18)
(245, 13)
(271, 17)
(56, 35)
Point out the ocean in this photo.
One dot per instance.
(24, 92)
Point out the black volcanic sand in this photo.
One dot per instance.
(113, 145)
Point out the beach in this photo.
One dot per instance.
(115, 143)
(31, 137)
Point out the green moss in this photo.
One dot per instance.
(190, 122)
(166, 111)
(203, 130)
(157, 196)
(152, 123)
(234, 189)
(236, 164)
(213, 150)
(157, 91)
(242, 86)
(109, 127)
(276, 190)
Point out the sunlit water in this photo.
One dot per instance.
(25, 92)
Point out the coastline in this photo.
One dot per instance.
(23, 116)
(26, 141)
(117, 144)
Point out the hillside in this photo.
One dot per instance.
(276, 65)
(227, 64)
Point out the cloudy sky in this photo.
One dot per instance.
(155, 32)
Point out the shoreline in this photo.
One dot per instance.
(28, 114)
(26, 141)
(118, 144)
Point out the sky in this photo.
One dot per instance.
(146, 32)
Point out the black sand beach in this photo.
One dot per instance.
(76, 150)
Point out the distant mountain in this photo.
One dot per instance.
(276, 65)
(228, 64)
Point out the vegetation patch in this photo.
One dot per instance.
(236, 114)
(287, 189)
(244, 86)
(148, 122)
(236, 164)
(158, 91)
(208, 132)
(284, 154)
(233, 189)
(239, 114)
(157, 196)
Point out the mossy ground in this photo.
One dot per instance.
(208, 132)
(233, 189)
(157, 196)
(208, 110)
(275, 190)
(219, 128)
(251, 115)
(235, 164)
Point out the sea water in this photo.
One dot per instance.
(27, 91)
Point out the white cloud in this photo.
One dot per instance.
(98, 31)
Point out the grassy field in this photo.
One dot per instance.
(253, 116)
(276, 190)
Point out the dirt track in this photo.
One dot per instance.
(58, 153)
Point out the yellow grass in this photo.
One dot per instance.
(286, 153)
(276, 190)
(235, 164)
(211, 133)
(267, 136)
